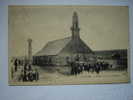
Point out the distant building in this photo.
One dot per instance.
(118, 58)
(63, 51)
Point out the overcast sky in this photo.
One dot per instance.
(102, 27)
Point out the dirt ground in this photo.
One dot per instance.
(61, 76)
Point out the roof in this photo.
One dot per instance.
(53, 47)
(76, 47)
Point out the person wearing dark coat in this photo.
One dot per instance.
(25, 76)
(81, 68)
(25, 67)
(16, 64)
(88, 68)
(72, 68)
(97, 68)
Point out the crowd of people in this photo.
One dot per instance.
(25, 70)
(77, 67)
(28, 74)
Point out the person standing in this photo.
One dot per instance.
(36, 75)
(30, 76)
(16, 64)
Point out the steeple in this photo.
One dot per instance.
(75, 27)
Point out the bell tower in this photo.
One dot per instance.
(75, 27)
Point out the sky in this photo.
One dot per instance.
(101, 27)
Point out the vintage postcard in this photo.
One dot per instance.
(61, 45)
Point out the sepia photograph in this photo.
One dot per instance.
(68, 45)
